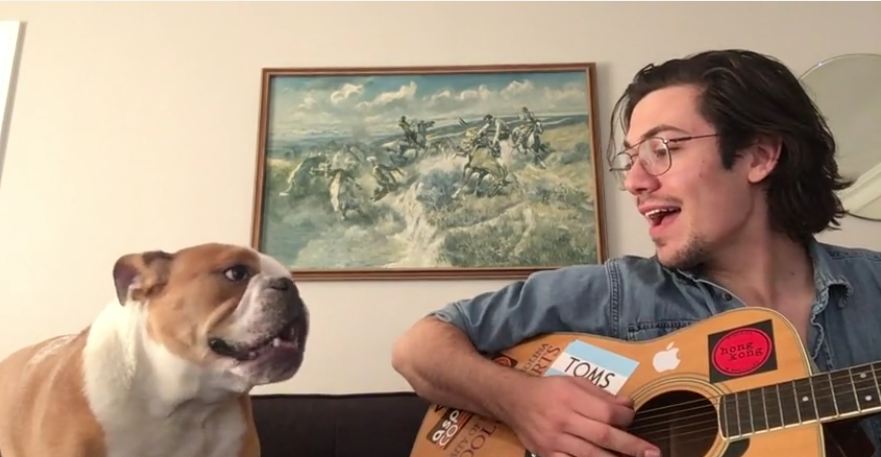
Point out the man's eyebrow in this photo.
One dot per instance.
(654, 131)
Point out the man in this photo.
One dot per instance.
(733, 168)
(499, 130)
(409, 133)
(527, 138)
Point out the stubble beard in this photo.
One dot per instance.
(691, 255)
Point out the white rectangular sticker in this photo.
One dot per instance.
(605, 369)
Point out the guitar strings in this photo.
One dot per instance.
(688, 436)
(707, 420)
(703, 427)
(707, 408)
(701, 402)
(705, 432)
(706, 435)
(710, 425)
(705, 404)
(832, 386)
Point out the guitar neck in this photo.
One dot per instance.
(825, 397)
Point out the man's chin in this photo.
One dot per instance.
(663, 252)
(685, 258)
(666, 262)
(667, 254)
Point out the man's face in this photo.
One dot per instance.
(703, 207)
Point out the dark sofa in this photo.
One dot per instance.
(358, 425)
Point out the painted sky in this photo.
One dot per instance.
(304, 106)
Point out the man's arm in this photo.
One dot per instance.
(442, 365)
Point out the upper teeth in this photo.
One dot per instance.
(655, 212)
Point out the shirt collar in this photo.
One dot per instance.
(827, 273)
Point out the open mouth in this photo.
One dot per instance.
(658, 216)
(286, 338)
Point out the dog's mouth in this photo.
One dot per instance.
(286, 338)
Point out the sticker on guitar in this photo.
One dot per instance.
(449, 425)
(742, 351)
(605, 369)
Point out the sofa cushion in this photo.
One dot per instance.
(356, 425)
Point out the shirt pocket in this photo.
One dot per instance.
(640, 331)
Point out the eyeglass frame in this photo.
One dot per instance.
(620, 172)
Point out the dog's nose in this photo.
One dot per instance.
(283, 284)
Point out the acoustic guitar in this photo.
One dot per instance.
(739, 384)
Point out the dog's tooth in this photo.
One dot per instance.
(252, 355)
(276, 342)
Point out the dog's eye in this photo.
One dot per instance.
(237, 273)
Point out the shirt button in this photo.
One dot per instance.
(726, 296)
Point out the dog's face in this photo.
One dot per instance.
(225, 308)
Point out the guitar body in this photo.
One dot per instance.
(678, 383)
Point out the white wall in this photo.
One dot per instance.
(134, 126)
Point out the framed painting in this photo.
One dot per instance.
(441, 172)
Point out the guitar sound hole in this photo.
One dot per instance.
(681, 423)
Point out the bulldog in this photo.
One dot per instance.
(165, 369)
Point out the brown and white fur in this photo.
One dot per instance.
(166, 368)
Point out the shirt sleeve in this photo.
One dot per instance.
(570, 299)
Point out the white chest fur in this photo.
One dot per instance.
(219, 435)
(215, 432)
(151, 403)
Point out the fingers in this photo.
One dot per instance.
(603, 408)
(597, 434)
(619, 409)
(570, 446)
(623, 400)
(592, 389)
(587, 422)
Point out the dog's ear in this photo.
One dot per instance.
(139, 276)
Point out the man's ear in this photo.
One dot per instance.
(140, 276)
(764, 155)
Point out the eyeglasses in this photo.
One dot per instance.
(653, 154)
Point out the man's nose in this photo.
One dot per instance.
(638, 181)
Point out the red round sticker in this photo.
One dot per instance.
(741, 352)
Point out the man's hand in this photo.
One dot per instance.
(560, 416)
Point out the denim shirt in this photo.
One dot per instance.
(636, 298)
